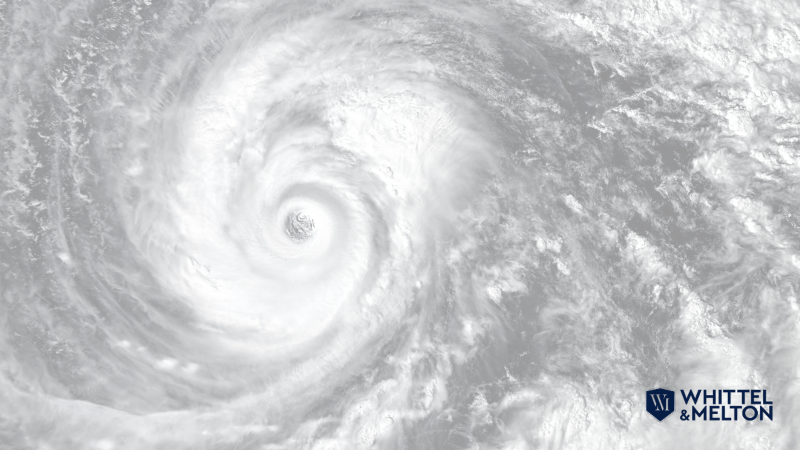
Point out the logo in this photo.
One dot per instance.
(727, 404)
(712, 404)
(660, 403)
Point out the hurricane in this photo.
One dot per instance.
(346, 224)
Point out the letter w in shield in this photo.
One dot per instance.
(660, 403)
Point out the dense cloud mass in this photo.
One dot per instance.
(425, 225)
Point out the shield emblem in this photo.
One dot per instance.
(660, 403)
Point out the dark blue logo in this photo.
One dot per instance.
(660, 403)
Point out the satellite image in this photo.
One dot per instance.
(433, 225)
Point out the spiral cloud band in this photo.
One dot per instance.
(338, 225)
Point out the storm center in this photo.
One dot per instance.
(299, 226)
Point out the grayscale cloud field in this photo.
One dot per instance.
(398, 225)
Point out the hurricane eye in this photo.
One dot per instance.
(300, 226)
